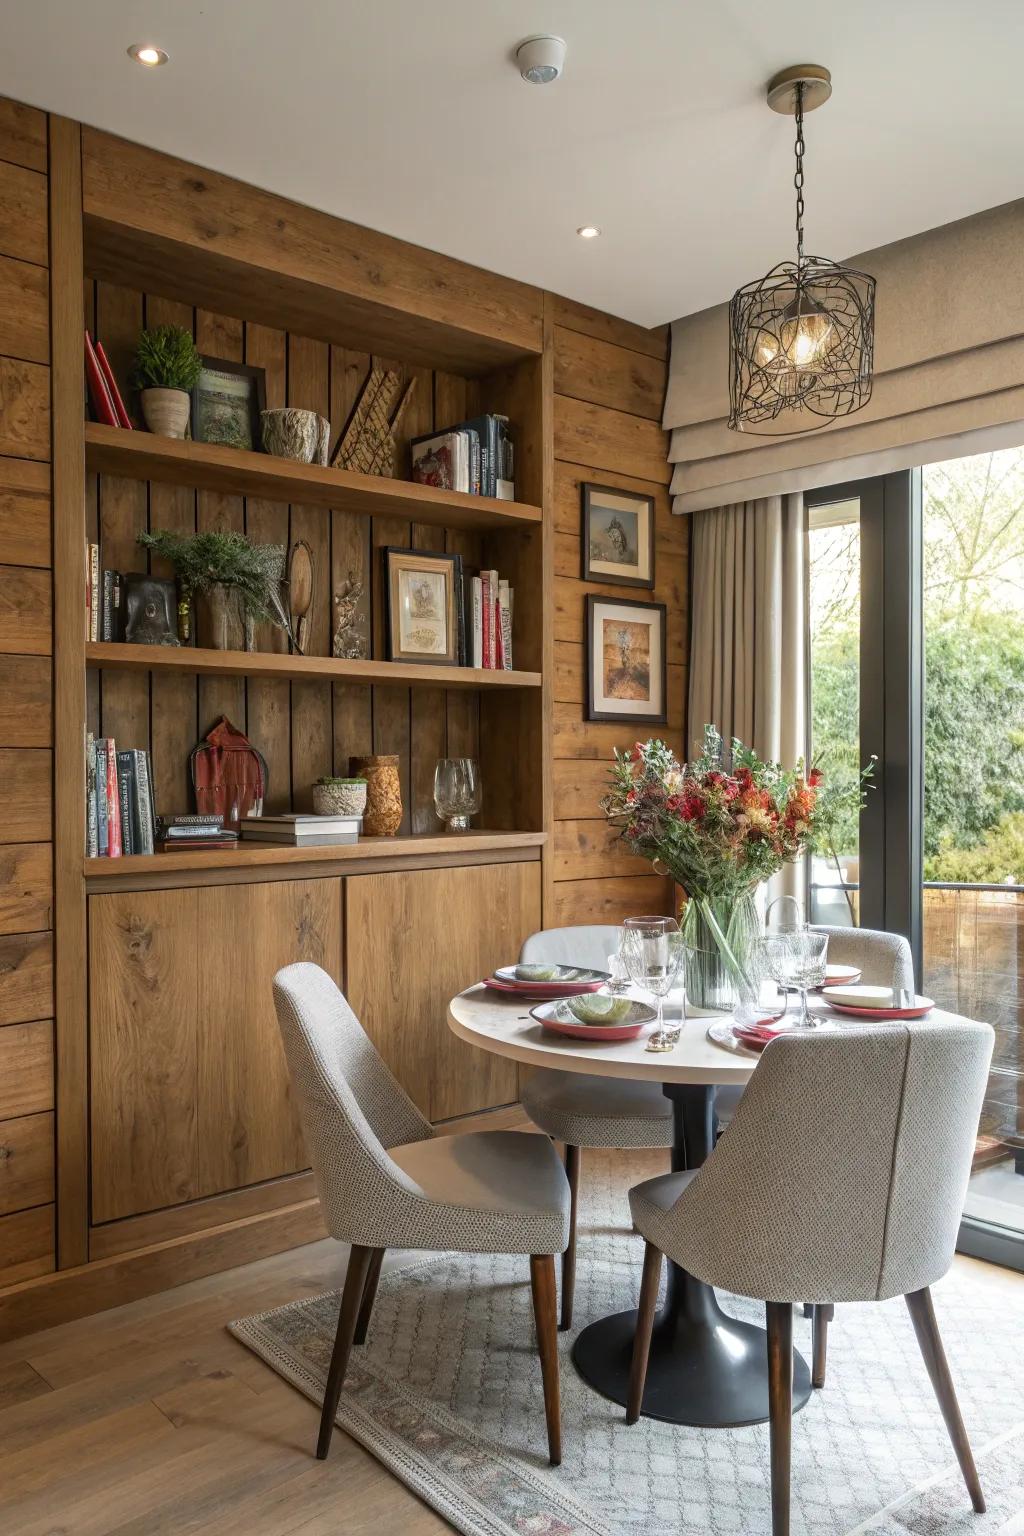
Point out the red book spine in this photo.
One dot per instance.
(123, 418)
(114, 847)
(99, 395)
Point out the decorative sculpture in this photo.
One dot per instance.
(349, 642)
(368, 442)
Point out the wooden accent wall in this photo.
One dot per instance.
(304, 729)
(609, 380)
(26, 713)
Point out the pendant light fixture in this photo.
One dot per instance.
(801, 339)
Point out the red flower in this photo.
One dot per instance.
(692, 808)
(636, 752)
(815, 777)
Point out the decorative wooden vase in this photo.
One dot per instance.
(383, 814)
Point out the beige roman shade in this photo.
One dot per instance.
(949, 364)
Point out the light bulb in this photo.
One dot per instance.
(147, 54)
(588, 231)
(805, 336)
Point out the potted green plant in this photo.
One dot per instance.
(339, 797)
(167, 369)
(238, 583)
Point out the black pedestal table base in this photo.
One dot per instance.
(705, 1368)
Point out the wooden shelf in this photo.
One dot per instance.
(368, 853)
(210, 467)
(102, 655)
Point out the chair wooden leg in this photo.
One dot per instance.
(780, 1408)
(351, 1301)
(822, 1316)
(572, 1173)
(644, 1328)
(922, 1314)
(369, 1295)
(545, 1312)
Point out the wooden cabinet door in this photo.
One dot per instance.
(144, 960)
(414, 939)
(248, 1126)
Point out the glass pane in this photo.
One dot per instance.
(834, 570)
(973, 899)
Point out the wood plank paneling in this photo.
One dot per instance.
(588, 850)
(26, 803)
(26, 977)
(143, 997)
(26, 887)
(26, 1244)
(26, 709)
(588, 369)
(26, 612)
(23, 223)
(610, 328)
(26, 1162)
(26, 1068)
(134, 1232)
(609, 439)
(402, 967)
(609, 900)
(24, 310)
(24, 409)
(22, 134)
(569, 479)
(24, 512)
(247, 1121)
(576, 737)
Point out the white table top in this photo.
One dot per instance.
(503, 1026)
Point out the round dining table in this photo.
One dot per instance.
(706, 1368)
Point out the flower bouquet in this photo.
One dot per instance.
(720, 827)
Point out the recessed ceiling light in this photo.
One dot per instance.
(147, 54)
(541, 59)
(588, 231)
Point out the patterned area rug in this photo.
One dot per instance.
(446, 1393)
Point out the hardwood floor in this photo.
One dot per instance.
(150, 1419)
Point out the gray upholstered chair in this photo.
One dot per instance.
(582, 1111)
(386, 1180)
(841, 1178)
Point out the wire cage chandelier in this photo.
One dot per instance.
(801, 338)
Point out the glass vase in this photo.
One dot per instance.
(720, 937)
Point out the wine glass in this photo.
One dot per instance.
(777, 958)
(652, 960)
(456, 791)
(808, 953)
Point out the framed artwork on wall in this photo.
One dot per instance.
(226, 404)
(627, 676)
(617, 537)
(423, 597)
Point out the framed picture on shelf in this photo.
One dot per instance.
(423, 606)
(624, 643)
(617, 537)
(226, 404)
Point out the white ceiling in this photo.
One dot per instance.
(408, 116)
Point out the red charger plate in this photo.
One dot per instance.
(544, 991)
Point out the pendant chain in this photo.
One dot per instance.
(798, 179)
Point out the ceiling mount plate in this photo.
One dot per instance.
(815, 79)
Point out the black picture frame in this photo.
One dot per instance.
(657, 664)
(597, 499)
(395, 558)
(199, 423)
(149, 609)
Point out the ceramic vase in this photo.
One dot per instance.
(347, 799)
(165, 411)
(220, 622)
(292, 434)
(383, 815)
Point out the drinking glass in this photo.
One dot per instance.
(652, 958)
(456, 791)
(808, 952)
(777, 960)
(618, 979)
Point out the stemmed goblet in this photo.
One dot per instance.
(652, 954)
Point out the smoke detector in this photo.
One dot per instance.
(541, 59)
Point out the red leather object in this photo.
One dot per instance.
(229, 776)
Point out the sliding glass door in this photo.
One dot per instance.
(916, 657)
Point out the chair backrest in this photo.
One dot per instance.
(843, 1173)
(883, 959)
(588, 945)
(352, 1109)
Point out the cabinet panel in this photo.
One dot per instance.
(26, 1244)
(26, 1162)
(412, 941)
(144, 959)
(26, 1068)
(248, 1126)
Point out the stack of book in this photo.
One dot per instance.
(301, 831)
(476, 457)
(179, 834)
(489, 637)
(120, 818)
(104, 599)
(104, 395)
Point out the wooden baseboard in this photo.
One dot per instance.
(71, 1293)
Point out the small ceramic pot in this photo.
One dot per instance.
(340, 799)
(220, 623)
(291, 434)
(383, 815)
(165, 411)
